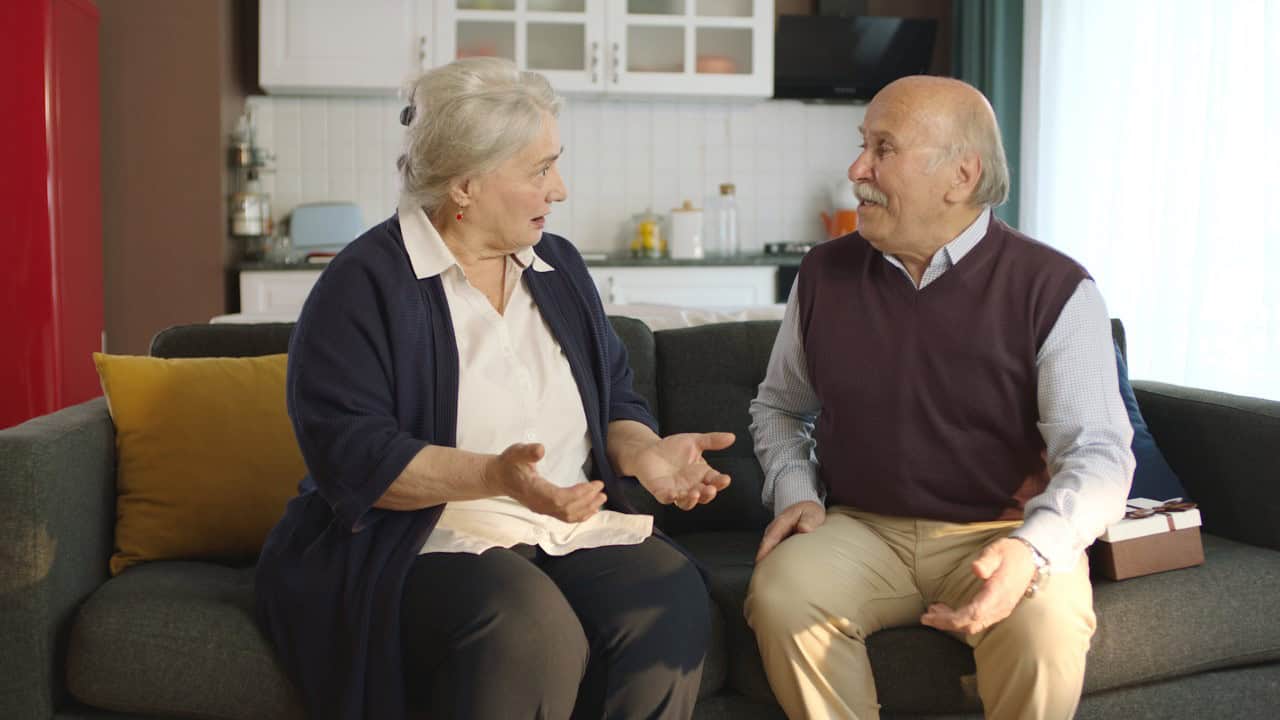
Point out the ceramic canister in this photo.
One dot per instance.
(686, 232)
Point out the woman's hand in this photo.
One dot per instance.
(514, 473)
(673, 471)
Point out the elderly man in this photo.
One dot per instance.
(940, 429)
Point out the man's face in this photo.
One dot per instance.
(897, 176)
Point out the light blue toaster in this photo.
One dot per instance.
(324, 227)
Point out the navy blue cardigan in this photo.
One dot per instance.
(372, 379)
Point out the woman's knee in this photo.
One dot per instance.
(534, 628)
(671, 584)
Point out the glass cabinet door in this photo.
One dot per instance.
(561, 39)
(714, 47)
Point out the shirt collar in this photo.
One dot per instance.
(429, 256)
(968, 238)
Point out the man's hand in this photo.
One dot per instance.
(802, 517)
(673, 471)
(1007, 568)
(514, 473)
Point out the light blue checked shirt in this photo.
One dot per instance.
(1082, 419)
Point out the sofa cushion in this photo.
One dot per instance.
(707, 376)
(638, 340)
(206, 457)
(1152, 476)
(177, 639)
(1216, 615)
(1151, 628)
(908, 661)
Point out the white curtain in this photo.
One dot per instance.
(1151, 154)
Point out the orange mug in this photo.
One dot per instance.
(842, 223)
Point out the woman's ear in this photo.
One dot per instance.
(461, 192)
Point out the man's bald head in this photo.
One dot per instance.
(955, 116)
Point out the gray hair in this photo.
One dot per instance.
(983, 135)
(468, 118)
(975, 129)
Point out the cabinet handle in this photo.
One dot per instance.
(617, 60)
(595, 63)
(422, 51)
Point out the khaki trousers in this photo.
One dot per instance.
(816, 598)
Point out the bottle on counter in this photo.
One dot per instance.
(722, 223)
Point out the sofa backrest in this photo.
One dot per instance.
(214, 340)
(695, 379)
(707, 377)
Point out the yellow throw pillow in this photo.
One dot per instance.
(206, 457)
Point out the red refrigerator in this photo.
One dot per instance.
(50, 207)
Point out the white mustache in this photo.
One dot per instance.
(869, 194)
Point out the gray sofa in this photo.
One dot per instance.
(177, 639)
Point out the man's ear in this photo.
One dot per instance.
(967, 172)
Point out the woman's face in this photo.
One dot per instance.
(511, 204)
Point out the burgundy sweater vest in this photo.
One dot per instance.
(928, 396)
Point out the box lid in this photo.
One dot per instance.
(1162, 521)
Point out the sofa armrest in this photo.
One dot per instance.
(57, 515)
(1224, 449)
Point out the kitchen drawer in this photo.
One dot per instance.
(699, 287)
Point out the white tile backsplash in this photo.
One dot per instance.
(621, 157)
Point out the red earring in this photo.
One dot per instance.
(459, 217)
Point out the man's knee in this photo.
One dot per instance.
(1047, 631)
(777, 596)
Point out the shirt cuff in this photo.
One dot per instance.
(792, 489)
(1049, 534)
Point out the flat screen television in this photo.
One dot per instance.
(850, 58)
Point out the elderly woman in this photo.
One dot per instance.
(461, 545)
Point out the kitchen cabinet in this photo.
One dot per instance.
(339, 47)
(700, 48)
(275, 292)
(645, 47)
(696, 287)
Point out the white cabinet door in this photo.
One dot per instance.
(691, 47)
(694, 287)
(645, 47)
(561, 39)
(275, 292)
(328, 47)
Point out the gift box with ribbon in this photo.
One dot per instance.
(1153, 537)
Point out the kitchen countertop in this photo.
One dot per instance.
(593, 260)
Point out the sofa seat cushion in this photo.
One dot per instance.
(1217, 615)
(909, 660)
(1161, 626)
(177, 639)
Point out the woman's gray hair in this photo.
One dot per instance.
(468, 118)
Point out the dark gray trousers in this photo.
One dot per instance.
(611, 632)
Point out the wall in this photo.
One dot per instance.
(621, 157)
(167, 70)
